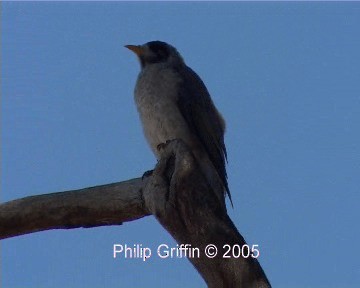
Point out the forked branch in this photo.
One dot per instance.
(178, 196)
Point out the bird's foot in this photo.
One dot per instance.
(147, 174)
(161, 146)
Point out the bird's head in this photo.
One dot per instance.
(156, 52)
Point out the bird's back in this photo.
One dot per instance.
(205, 120)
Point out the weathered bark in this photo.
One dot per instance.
(110, 204)
(176, 194)
(192, 214)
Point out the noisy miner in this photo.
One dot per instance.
(174, 103)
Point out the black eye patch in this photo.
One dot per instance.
(160, 49)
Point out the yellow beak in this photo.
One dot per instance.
(136, 49)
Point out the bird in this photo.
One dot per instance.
(174, 103)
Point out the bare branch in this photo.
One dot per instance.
(110, 204)
(177, 194)
(188, 209)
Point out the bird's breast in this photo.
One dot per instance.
(156, 95)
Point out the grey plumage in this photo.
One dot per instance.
(173, 103)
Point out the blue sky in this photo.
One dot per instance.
(284, 75)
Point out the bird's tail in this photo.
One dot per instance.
(219, 185)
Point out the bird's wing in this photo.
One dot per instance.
(208, 125)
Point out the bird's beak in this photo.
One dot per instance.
(136, 49)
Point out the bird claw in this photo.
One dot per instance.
(162, 146)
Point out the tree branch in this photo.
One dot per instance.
(110, 204)
(190, 211)
(177, 194)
